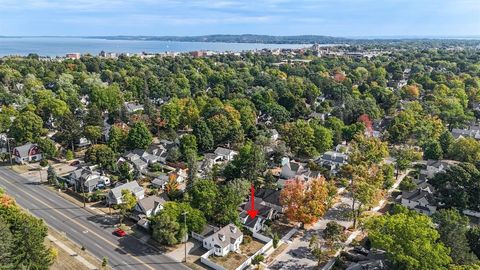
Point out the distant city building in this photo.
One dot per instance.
(73, 56)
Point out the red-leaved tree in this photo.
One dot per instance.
(365, 119)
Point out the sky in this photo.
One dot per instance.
(341, 18)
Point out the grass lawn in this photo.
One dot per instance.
(251, 248)
(231, 261)
(64, 261)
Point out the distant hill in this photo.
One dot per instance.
(303, 39)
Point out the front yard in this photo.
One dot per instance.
(231, 261)
(234, 259)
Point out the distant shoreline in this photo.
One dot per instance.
(266, 39)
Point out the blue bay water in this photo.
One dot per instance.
(59, 46)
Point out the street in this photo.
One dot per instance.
(84, 228)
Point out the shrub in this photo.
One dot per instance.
(247, 239)
(258, 259)
(43, 163)
(407, 184)
(276, 239)
(69, 155)
(156, 167)
(104, 262)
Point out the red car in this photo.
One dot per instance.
(119, 232)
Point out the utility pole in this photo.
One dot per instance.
(9, 153)
(83, 193)
(186, 233)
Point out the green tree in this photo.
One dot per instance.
(6, 243)
(117, 139)
(107, 97)
(446, 140)
(248, 164)
(69, 131)
(465, 150)
(204, 135)
(23, 238)
(300, 136)
(52, 176)
(168, 224)
(367, 150)
(139, 136)
(124, 171)
(323, 138)
(276, 240)
(405, 156)
(204, 196)
(93, 117)
(102, 155)
(232, 195)
(453, 228)
(188, 143)
(128, 203)
(47, 146)
(473, 237)
(333, 231)
(165, 229)
(26, 127)
(459, 187)
(432, 150)
(92, 133)
(410, 240)
(69, 155)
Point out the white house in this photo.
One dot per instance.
(225, 154)
(27, 153)
(115, 194)
(436, 166)
(147, 207)
(225, 240)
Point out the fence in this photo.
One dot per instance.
(269, 243)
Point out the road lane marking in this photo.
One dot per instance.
(79, 224)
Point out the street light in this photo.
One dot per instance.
(186, 235)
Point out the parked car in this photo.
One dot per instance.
(119, 232)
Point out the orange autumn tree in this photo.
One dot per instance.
(305, 203)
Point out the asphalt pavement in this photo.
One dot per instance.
(91, 231)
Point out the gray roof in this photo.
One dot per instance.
(149, 203)
(161, 180)
(416, 195)
(133, 106)
(223, 151)
(139, 162)
(132, 186)
(334, 156)
(226, 235)
(437, 163)
(268, 195)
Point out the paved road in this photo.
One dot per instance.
(84, 228)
